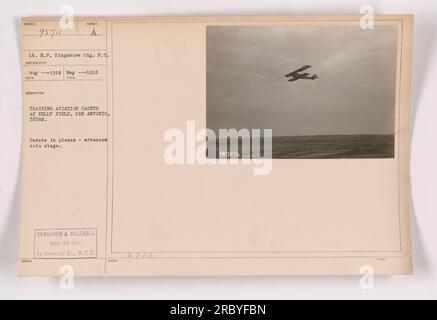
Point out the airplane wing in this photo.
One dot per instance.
(297, 71)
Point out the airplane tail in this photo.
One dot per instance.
(314, 77)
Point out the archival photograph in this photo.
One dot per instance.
(325, 92)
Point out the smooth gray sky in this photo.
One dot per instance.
(355, 92)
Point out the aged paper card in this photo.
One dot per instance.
(216, 146)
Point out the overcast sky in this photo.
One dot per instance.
(355, 92)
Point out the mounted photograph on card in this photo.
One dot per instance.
(216, 146)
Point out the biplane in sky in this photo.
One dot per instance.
(297, 75)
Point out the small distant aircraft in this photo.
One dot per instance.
(296, 75)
